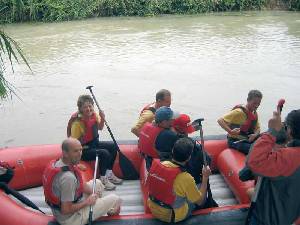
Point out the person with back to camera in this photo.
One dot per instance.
(173, 193)
(84, 126)
(157, 141)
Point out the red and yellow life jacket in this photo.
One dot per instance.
(48, 177)
(90, 127)
(147, 139)
(160, 180)
(149, 107)
(248, 127)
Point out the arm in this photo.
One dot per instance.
(101, 120)
(146, 116)
(225, 126)
(253, 136)
(263, 160)
(203, 188)
(67, 184)
(70, 207)
(76, 130)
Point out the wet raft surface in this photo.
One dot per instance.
(131, 195)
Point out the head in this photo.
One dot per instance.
(164, 117)
(183, 125)
(85, 104)
(292, 123)
(71, 151)
(182, 150)
(163, 98)
(253, 100)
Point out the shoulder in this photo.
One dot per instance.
(184, 179)
(235, 114)
(168, 133)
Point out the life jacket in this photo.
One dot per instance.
(90, 127)
(149, 107)
(147, 139)
(248, 127)
(160, 180)
(48, 177)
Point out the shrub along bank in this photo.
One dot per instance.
(56, 10)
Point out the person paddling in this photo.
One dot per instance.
(84, 125)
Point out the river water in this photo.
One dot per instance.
(209, 62)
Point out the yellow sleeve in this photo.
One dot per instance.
(77, 129)
(146, 116)
(185, 186)
(236, 116)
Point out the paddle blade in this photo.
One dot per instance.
(127, 168)
(280, 105)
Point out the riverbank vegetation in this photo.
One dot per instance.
(57, 10)
(10, 52)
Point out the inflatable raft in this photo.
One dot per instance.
(30, 162)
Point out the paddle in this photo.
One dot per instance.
(127, 168)
(260, 179)
(93, 189)
(19, 196)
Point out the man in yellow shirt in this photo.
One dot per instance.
(163, 98)
(173, 193)
(242, 124)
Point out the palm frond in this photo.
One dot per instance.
(12, 50)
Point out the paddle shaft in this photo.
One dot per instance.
(93, 189)
(105, 122)
(202, 141)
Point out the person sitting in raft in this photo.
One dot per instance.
(64, 188)
(183, 126)
(163, 98)
(242, 124)
(157, 141)
(173, 193)
(278, 199)
(151, 131)
(84, 125)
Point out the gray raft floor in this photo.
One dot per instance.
(131, 195)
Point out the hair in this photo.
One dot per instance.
(161, 94)
(83, 99)
(65, 146)
(254, 94)
(182, 149)
(293, 122)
